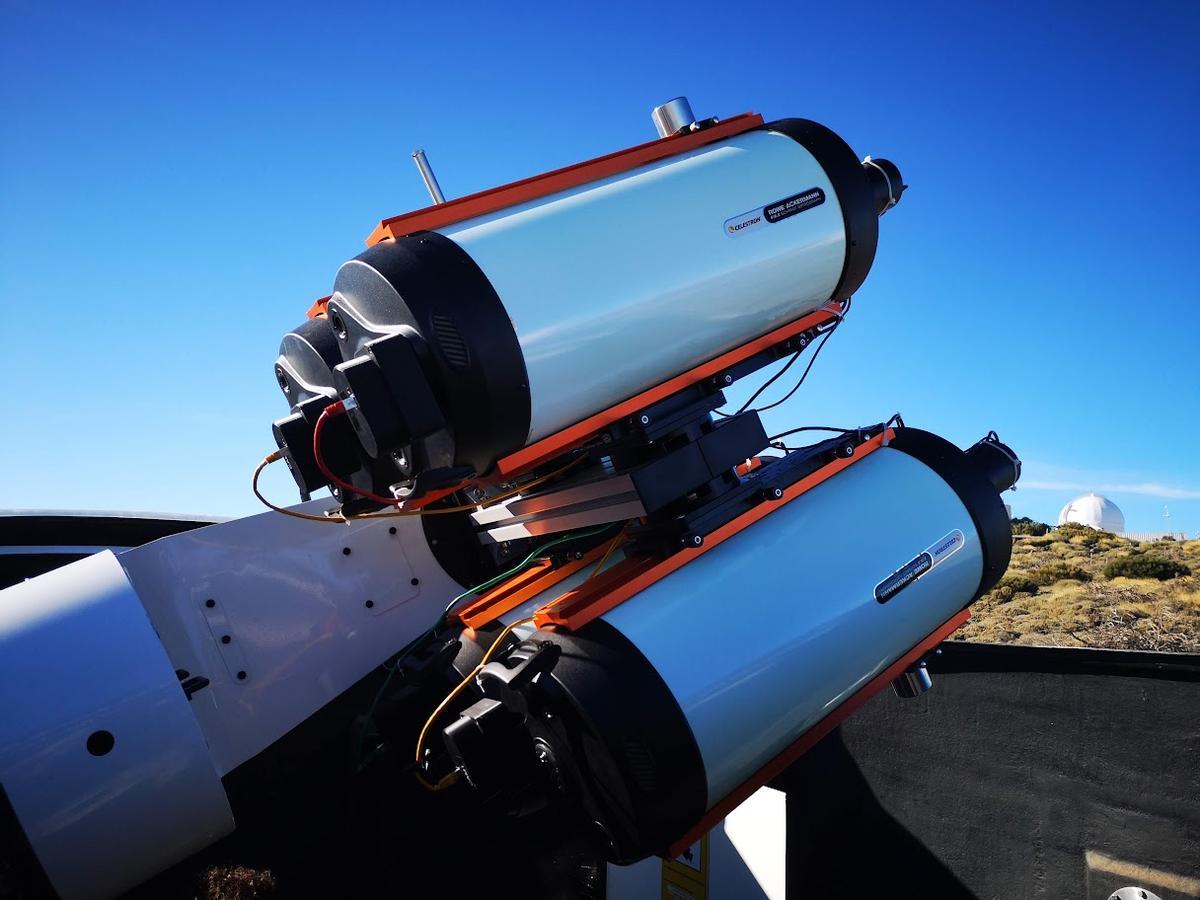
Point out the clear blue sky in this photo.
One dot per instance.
(179, 181)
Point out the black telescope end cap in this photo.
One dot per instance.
(997, 461)
(886, 182)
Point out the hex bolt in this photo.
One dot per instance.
(100, 743)
(392, 529)
(728, 379)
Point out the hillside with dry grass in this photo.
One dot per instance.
(1073, 586)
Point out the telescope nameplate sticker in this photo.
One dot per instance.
(774, 212)
(928, 559)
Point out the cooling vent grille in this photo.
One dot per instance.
(450, 342)
(641, 766)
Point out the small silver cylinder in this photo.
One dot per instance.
(431, 182)
(672, 116)
(914, 682)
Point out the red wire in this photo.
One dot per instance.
(337, 408)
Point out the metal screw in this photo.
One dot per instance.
(415, 581)
(370, 604)
(345, 551)
(729, 379)
(210, 603)
(392, 530)
(225, 639)
(241, 676)
(645, 420)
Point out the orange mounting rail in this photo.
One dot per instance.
(810, 738)
(528, 584)
(632, 575)
(472, 205)
(319, 306)
(574, 435)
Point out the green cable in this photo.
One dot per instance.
(444, 617)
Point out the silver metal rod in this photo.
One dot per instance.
(431, 182)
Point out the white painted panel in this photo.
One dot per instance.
(78, 656)
(295, 607)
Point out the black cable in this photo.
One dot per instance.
(807, 369)
(766, 384)
(795, 356)
(783, 434)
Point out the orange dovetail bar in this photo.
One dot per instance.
(319, 306)
(810, 738)
(484, 202)
(573, 436)
(520, 588)
(610, 589)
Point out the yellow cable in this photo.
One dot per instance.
(459, 689)
(275, 457)
(341, 518)
(616, 542)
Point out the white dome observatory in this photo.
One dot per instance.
(1095, 511)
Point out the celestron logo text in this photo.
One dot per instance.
(774, 212)
(745, 224)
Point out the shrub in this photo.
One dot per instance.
(1049, 574)
(1011, 585)
(1145, 565)
(1026, 525)
(1079, 534)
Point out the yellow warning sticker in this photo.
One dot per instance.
(686, 876)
